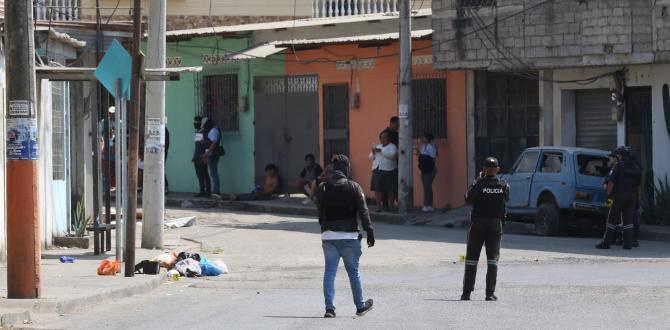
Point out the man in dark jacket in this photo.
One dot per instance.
(341, 202)
(623, 184)
(200, 163)
(488, 196)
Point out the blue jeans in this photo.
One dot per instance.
(213, 163)
(350, 252)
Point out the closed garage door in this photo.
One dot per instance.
(595, 127)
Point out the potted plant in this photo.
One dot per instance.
(77, 238)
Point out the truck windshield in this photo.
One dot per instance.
(592, 165)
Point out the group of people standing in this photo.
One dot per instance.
(206, 155)
(384, 157)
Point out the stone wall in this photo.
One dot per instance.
(533, 34)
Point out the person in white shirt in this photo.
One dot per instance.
(384, 158)
(427, 153)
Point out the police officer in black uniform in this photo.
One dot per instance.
(488, 196)
(623, 185)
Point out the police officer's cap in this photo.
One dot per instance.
(622, 151)
(491, 162)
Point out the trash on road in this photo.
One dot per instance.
(67, 260)
(173, 275)
(179, 223)
(109, 267)
(148, 267)
(166, 260)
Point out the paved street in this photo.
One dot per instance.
(413, 274)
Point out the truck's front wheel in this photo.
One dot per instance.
(547, 220)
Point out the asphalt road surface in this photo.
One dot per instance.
(413, 274)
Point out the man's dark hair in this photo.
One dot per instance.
(198, 118)
(271, 167)
(429, 136)
(340, 162)
(310, 156)
(395, 119)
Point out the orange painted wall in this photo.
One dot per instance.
(378, 92)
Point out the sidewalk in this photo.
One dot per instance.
(294, 206)
(68, 287)
(456, 218)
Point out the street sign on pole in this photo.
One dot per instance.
(115, 66)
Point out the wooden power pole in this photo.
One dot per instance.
(23, 224)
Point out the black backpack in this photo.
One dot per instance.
(426, 163)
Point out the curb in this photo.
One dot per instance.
(389, 218)
(14, 318)
(70, 305)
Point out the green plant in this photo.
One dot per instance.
(80, 220)
(656, 208)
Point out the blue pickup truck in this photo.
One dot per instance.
(555, 187)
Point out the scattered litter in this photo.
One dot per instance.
(186, 205)
(67, 260)
(148, 267)
(188, 268)
(109, 267)
(166, 260)
(173, 275)
(221, 265)
(179, 223)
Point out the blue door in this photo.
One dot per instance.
(521, 179)
(552, 175)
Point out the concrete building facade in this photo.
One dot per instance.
(596, 69)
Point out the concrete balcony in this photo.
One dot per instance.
(339, 8)
(57, 10)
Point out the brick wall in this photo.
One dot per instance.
(549, 34)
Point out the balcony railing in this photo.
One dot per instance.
(57, 10)
(337, 8)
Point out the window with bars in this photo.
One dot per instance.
(220, 100)
(429, 110)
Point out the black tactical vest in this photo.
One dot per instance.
(339, 210)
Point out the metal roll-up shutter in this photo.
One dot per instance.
(595, 127)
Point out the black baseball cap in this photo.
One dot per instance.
(491, 162)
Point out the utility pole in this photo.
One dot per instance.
(133, 140)
(154, 136)
(23, 225)
(405, 157)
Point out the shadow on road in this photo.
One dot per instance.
(293, 317)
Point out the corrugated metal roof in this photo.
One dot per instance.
(291, 24)
(261, 51)
(370, 37)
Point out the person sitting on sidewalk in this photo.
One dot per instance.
(309, 177)
(341, 203)
(265, 192)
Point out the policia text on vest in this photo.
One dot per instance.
(488, 196)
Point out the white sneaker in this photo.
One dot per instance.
(427, 209)
(307, 201)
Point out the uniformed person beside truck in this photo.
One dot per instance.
(488, 196)
(623, 185)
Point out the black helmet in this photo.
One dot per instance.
(623, 152)
(491, 162)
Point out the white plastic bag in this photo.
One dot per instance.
(221, 265)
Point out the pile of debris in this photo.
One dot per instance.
(184, 264)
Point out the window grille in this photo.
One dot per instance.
(221, 101)
(429, 107)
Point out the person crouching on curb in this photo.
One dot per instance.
(487, 196)
(341, 202)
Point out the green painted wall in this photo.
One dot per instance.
(237, 167)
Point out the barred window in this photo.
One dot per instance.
(429, 110)
(220, 101)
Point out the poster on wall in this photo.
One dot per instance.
(155, 139)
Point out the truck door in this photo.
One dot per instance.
(521, 179)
